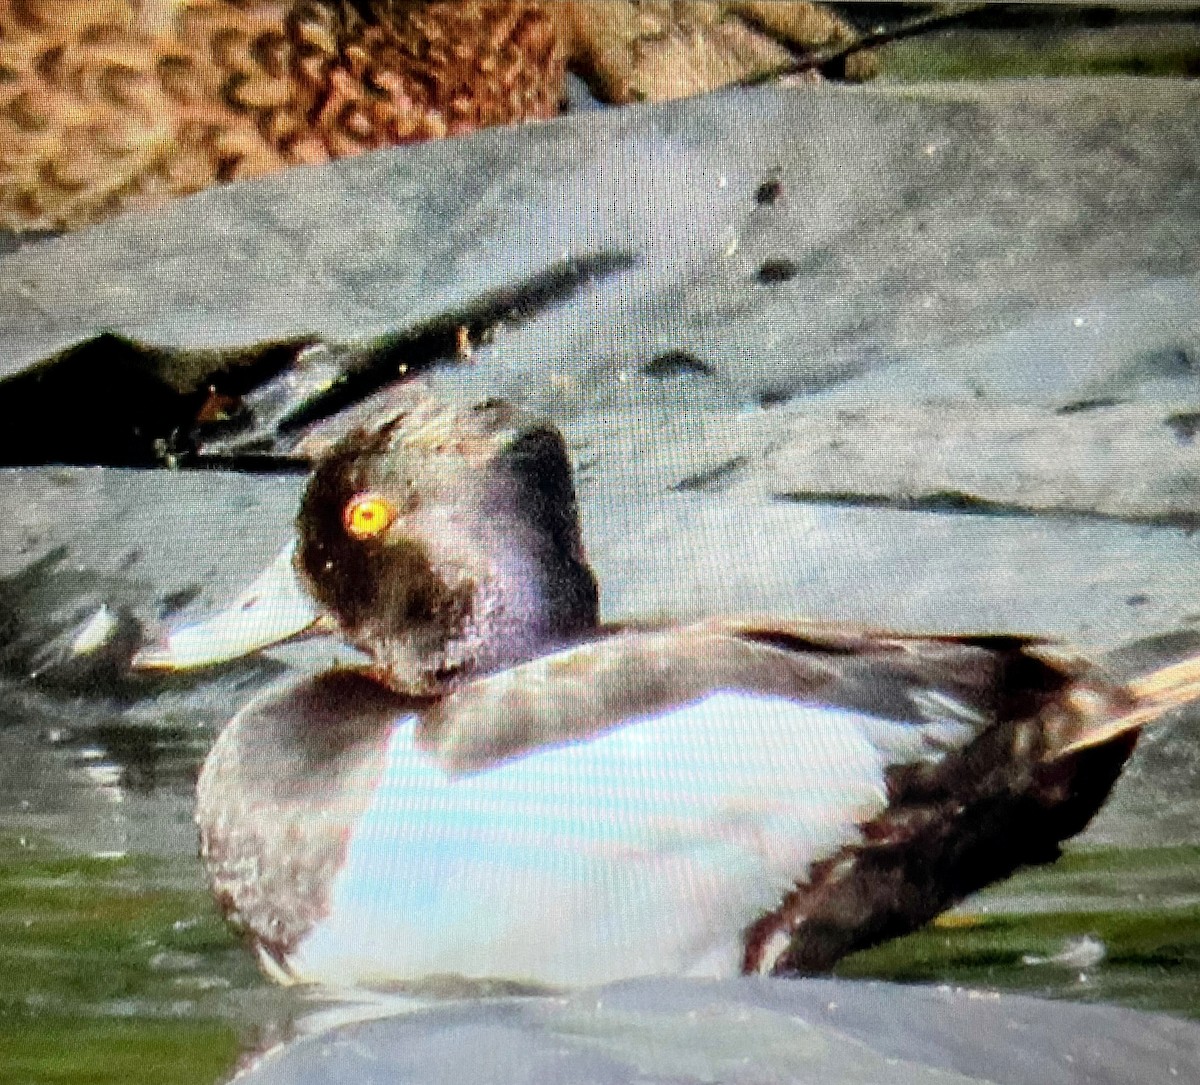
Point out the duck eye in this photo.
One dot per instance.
(367, 516)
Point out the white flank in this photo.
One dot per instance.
(646, 850)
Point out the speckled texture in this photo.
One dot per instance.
(117, 105)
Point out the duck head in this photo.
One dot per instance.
(445, 543)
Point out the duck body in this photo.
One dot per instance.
(645, 849)
(113, 104)
(504, 832)
(117, 104)
(512, 790)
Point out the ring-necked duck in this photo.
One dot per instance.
(512, 789)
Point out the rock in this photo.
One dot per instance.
(917, 221)
(1134, 461)
(805, 1031)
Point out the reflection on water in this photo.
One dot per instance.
(92, 756)
(91, 775)
(110, 969)
(1102, 925)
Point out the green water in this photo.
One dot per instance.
(109, 975)
(119, 970)
(1142, 906)
(1068, 46)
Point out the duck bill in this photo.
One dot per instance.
(272, 610)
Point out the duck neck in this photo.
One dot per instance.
(549, 591)
(543, 593)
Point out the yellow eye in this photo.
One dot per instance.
(367, 516)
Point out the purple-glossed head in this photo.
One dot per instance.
(445, 543)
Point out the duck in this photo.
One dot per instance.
(508, 788)
(107, 105)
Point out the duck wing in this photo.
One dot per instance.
(945, 690)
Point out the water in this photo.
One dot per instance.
(118, 969)
(114, 966)
(112, 970)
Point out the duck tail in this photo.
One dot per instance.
(1172, 686)
(1149, 696)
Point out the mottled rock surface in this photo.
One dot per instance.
(806, 1031)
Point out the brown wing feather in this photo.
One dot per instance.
(587, 689)
(1006, 799)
